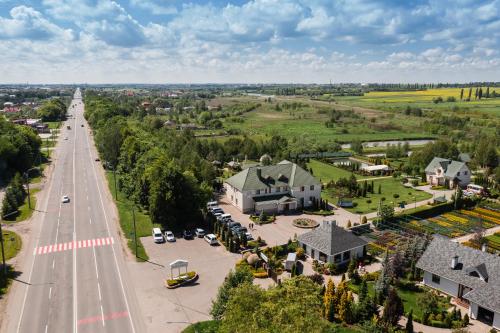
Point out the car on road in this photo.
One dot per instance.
(157, 235)
(199, 232)
(169, 236)
(65, 199)
(68, 127)
(81, 125)
(211, 205)
(233, 224)
(211, 239)
(187, 234)
(97, 159)
(66, 138)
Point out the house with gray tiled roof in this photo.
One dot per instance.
(448, 173)
(471, 276)
(273, 188)
(333, 244)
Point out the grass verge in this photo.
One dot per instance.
(142, 221)
(13, 244)
(209, 326)
(24, 212)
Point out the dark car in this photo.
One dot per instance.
(187, 234)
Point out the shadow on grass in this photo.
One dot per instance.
(149, 261)
(6, 282)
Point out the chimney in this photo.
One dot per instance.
(259, 172)
(484, 247)
(454, 262)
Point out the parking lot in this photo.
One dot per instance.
(171, 310)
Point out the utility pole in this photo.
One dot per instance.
(1, 241)
(135, 231)
(28, 188)
(114, 178)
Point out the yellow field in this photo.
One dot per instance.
(422, 95)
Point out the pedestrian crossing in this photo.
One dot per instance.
(61, 247)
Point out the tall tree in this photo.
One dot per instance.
(409, 323)
(329, 301)
(393, 308)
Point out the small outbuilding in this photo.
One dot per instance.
(332, 244)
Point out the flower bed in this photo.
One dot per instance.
(305, 223)
(181, 280)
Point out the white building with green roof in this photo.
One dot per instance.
(273, 188)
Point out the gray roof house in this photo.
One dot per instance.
(273, 188)
(471, 276)
(446, 172)
(333, 244)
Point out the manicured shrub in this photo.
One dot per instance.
(395, 195)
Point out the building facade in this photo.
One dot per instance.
(448, 173)
(273, 188)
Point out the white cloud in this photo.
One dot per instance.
(154, 7)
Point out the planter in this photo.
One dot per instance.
(182, 280)
(305, 223)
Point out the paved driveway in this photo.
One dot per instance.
(171, 310)
(276, 233)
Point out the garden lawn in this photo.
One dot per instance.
(389, 187)
(209, 326)
(53, 124)
(143, 222)
(327, 172)
(12, 243)
(408, 297)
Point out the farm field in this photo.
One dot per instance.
(391, 100)
(308, 121)
(390, 187)
(494, 241)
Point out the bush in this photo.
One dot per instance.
(354, 204)
(437, 323)
(368, 201)
(395, 195)
(301, 254)
(260, 275)
(382, 199)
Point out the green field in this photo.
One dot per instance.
(12, 243)
(389, 187)
(327, 172)
(53, 124)
(143, 222)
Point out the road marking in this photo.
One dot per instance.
(99, 289)
(109, 235)
(53, 263)
(90, 220)
(50, 292)
(46, 328)
(94, 319)
(95, 263)
(73, 245)
(75, 281)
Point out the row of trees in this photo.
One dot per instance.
(19, 149)
(15, 195)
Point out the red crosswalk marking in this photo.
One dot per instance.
(73, 245)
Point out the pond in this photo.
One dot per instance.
(372, 144)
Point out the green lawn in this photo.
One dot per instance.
(209, 326)
(143, 222)
(408, 297)
(12, 243)
(24, 212)
(53, 124)
(389, 187)
(327, 172)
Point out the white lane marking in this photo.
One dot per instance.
(95, 262)
(75, 281)
(53, 263)
(109, 235)
(90, 220)
(33, 262)
(102, 315)
(46, 328)
(50, 293)
(99, 290)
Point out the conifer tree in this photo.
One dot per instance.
(329, 301)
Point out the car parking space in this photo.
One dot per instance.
(170, 310)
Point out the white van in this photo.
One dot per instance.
(158, 236)
(212, 204)
(225, 217)
(211, 239)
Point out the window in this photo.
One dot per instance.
(465, 173)
(302, 189)
(257, 192)
(311, 188)
(337, 258)
(458, 173)
(346, 255)
(236, 201)
(436, 279)
(232, 198)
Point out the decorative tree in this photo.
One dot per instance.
(382, 284)
(393, 308)
(329, 301)
(409, 323)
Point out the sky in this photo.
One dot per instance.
(258, 41)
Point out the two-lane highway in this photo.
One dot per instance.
(77, 280)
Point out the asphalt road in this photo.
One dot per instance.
(76, 279)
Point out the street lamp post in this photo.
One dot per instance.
(26, 175)
(135, 231)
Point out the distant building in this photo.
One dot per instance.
(332, 244)
(448, 173)
(381, 169)
(471, 276)
(273, 188)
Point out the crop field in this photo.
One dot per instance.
(393, 100)
(494, 241)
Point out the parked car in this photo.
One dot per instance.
(211, 239)
(65, 199)
(157, 235)
(234, 224)
(169, 236)
(187, 234)
(199, 232)
(211, 205)
(82, 125)
(217, 210)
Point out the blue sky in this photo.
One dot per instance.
(259, 41)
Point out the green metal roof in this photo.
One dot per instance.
(282, 174)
